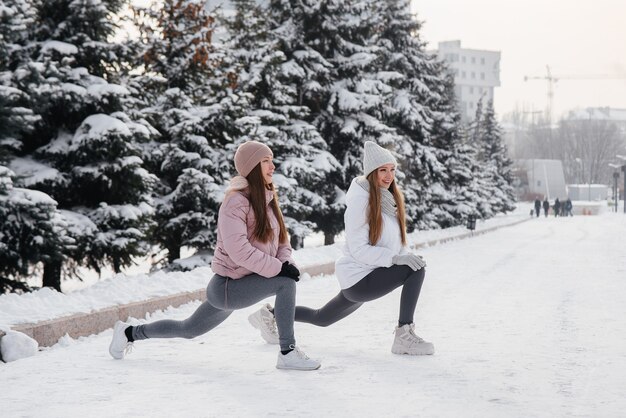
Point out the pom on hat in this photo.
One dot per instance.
(374, 156)
(249, 154)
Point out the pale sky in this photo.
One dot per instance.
(573, 37)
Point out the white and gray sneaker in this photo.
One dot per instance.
(407, 342)
(120, 346)
(296, 360)
(264, 321)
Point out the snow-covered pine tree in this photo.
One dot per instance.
(71, 40)
(497, 162)
(418, 110)
(308, 73)
(482, 170)
(110, 186)
(31, 232)
(89, 25)
(271, 72)
(17, 18)
(466, 183)
(176, 43)
(349, 112)
(16, 120)
(183, 89)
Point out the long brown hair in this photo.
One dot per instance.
(375, 212)
(263, 229)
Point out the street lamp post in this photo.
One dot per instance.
(624, 171)
(615, 190)
(623, 158)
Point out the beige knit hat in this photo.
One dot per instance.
(374, 156)
(249, 154)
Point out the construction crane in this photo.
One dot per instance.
(552, 79)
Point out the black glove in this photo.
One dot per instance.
(289, 270)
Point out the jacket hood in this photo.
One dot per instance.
(240, 184)
(356, 190)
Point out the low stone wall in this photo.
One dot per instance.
(48, 333)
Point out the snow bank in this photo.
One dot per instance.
(45, 303)
(16, 345)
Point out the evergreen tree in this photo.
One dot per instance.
(176, 43)
(31, 232)
(462, 167)
(419, 110)
(273, 77)
(86, 167)
(309, 73)
(106, 163)
(17, 18)
(184, 93)
(498, 164)
(481, 170)
(347, 110)
(88, 25)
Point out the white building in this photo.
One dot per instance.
(588, 192)
(476, 73)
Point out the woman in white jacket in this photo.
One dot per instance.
(375, 260)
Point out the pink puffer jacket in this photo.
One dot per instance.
(238, 253)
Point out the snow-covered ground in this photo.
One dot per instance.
(527, 321)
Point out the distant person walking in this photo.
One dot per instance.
(537, 206)
(557, 207)
(252, 261)
(568, 207)
(546, 207)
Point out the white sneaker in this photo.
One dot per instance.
(120, 346)
(407, 342)
(296, 360)
(264, 321)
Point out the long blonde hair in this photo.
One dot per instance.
(375, 212)
(263, 229)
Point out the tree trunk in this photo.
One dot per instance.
(52, 275)
(297, 242)
(173, 253)
(117, 267)
(329, 238)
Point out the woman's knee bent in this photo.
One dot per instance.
(286, 285)
(418, 275)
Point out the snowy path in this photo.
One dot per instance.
(527, 321)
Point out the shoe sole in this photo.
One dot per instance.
(425, 352)
(254, 321)
(395, 350)
(302, 369)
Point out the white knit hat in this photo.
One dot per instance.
(374, 156)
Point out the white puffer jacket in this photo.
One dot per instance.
(360, 257)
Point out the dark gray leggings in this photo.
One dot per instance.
(223, 297)
(378, 283)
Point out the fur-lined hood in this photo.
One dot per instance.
(240, 184)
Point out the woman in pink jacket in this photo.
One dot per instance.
(252, 261)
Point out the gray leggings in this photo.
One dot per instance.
(378, 283)
(225, 295)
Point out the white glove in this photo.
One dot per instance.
(414, 261)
